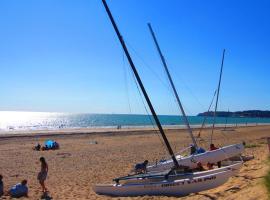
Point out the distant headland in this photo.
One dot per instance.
(245, 113)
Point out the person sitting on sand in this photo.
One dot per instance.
(45, 148)
(19, 190)
(55, 145)
(140, 168)
(1, 185)
(37, 147)
(42, 175)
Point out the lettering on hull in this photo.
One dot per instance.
(194, 181)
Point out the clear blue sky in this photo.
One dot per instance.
(64, 56)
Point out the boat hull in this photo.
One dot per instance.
(177, 187)
(235, 167)
(204, 158)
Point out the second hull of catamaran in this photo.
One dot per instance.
(166, 187)
(234, 166)
(204, 158)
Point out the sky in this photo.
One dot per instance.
(64, 56)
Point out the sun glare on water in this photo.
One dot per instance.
(10, 120)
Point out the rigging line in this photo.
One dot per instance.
(205, 117)
(165, 84)
(224, 135)
(134, 96)
(126, 81)
(172, 86)
(188, 88)
(219, 82)
(150, 119)
(148, 66)
(226, 119)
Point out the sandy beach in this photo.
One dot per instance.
(80, 163)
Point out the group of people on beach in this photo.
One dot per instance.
(21, 189)
(52, 145)
(200, 150)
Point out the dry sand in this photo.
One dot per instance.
(80, 163)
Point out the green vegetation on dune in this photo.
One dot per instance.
(252, 145)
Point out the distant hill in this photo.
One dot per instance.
(246, 113)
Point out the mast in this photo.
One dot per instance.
(220, 75)
(141, 85)
(173, 87)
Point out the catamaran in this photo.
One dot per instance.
(221, 154)
(178, 181)
(176, 184)
(206, 157)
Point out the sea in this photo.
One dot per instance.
(16, 121)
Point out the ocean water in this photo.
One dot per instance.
(11, 120)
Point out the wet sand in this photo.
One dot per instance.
(80, 163)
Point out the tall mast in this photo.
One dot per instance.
(220, 75)
(172, 85)
(141, 85)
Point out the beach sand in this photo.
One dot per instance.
(80, 163)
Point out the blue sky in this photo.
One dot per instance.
(63, 55)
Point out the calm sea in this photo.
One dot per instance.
(10, 120)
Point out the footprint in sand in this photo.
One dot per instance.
(63, 155)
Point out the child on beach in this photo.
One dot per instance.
(1, 185)
(42, 175)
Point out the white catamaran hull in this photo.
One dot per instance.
(204, 158)
(178, 187)
(235, 167)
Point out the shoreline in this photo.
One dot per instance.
(138, 130)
